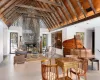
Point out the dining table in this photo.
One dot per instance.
(66, 63)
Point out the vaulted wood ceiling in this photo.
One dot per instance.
(54, 13)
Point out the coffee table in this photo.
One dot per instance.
(35, 57)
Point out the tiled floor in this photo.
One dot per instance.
(30, 71)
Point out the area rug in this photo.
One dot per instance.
(35, 57)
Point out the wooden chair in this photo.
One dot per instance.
(81, 70)
(50, 71)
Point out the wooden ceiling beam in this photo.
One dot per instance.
(3, 2)
(63, 15)
(55, 15)
(91, 4)
(67, 12)
(72, 8)
(82, 9)
(33, 8)
(46, 23)
(11, 15)
(50, 15)
(13, 10)
(32, 13)
(10, 8)
(52, 20)
(59, 13)
(49, 20)
(9, 23)
(49, 2)
(46, 20)
(44, 13)
(7, 6)
(32, 17)
(79, 21)
(26, 12)
(63, 12)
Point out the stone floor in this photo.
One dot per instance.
(30, 71)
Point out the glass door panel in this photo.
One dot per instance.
(13, 42)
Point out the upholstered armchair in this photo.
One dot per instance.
(19, 59)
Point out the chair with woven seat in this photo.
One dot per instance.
(81, 70)
(50, 71)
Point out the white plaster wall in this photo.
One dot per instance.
(1, 41)
(69, 32)
(5, 38)
(14, 29)
(88, 39)
(97, 42)
(44, 31)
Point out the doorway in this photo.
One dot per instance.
(93, 42)
(13, 42)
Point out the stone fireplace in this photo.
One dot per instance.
(30, 33)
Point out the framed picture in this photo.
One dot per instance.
(57, 39)
(80, 36)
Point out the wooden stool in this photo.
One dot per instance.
(94, 60)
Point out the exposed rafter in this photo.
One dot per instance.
(50, 16)
(79, 4)
(33, 8)
(91, 4)
(54, 13)
(49, 2)
(4, 2)
(12, 14)
(72, 8)
(70, 17)
(6, 11)
(10, 4)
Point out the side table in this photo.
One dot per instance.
(94, 60)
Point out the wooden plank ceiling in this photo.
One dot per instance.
(54, 13)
